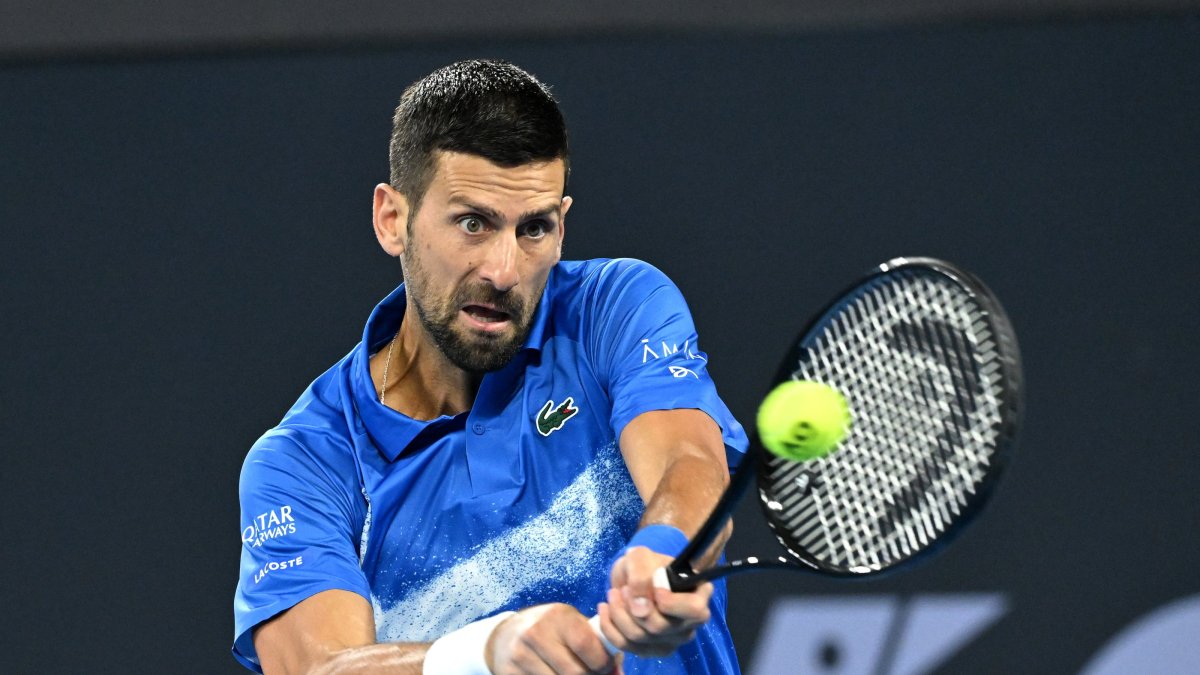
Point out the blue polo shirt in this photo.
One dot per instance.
(523, 499)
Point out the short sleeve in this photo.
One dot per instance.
(302, 514)
(646, 351)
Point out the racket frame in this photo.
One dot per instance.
(681, 576)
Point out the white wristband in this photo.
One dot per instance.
(461, 652)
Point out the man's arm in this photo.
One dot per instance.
(677, 461)
(334, 632)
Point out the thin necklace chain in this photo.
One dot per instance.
(386, 364)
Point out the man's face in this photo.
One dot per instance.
(478, 252)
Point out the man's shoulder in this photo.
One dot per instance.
(314, 434)
(303, 456)
(596, 302)
(607, 279)
(600, 269)
(323, 403)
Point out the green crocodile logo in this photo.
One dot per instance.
(551, 418)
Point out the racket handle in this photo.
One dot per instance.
(594, 622)
(662, 579)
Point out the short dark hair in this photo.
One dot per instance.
(488, 108)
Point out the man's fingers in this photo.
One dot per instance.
(559, 658)
(529, 663)
(639, 565)
(640, 605)
(646, 620)
(585, 647)
(671, 613)
(627, 633)
(630, 631)
(549, 640)
(690, 607)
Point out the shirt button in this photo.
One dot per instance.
(478, 428)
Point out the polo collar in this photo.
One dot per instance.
(537, 332)
(394, 432)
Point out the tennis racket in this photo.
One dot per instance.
(928, 361)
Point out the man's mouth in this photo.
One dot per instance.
(487, 318)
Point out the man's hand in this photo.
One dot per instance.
(645, 620)
(548, 639)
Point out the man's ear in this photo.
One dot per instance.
(390, 218)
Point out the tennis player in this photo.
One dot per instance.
(517, 443)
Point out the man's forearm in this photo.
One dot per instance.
(690, 487)
(395, 658)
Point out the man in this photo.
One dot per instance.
(516, 444)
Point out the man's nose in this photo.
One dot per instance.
(499, 266)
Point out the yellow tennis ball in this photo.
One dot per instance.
(801, 420)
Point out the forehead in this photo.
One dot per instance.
(460, 177)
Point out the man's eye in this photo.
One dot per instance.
(536, 229)
(471, 225)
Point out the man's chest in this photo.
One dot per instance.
(525, 500)
(437, 560)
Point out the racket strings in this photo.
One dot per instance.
(915, 355)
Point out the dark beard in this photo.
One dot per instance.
(477, 352)
(485, 352)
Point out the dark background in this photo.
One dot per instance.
(187, 244)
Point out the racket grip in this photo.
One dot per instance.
(665, 578)
(662, 579)
(594, 622)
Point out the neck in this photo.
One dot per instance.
(421, 382)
